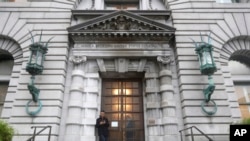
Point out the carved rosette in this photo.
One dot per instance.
(76, 60)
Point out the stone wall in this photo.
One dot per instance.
(225, 22)
(190, 18)
(16, 19)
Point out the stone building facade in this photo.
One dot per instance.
(130, 58)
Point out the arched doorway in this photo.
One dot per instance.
(235, 63)
(239, 65)
(6, 65)
(11, 56)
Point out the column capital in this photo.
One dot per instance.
(164, 61)
(77, 59)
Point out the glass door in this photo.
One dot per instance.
(123, 105)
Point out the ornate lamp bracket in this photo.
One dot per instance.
(207, 67)
(35, 67)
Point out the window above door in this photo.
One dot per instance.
(122, 4)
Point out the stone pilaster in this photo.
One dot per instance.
(74, 124)
(152, 107)
(168, 103)
(90, 106)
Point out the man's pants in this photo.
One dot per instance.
(103, 138)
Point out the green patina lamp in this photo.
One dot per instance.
(35, 67)
(207, 67)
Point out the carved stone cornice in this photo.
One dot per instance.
(96, 13)
(76, 60)
(121, 36)
(120, 16)
(121, 25)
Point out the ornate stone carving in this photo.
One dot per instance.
(121, 26)
(164, 61)
(122, 23)
(78, 59)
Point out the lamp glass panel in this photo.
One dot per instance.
(33, 57)
(208, 57)
(39, 58)
(203, 58)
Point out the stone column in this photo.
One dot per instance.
(74, 124)
(90, 106)
(168, 103)
(152, 107)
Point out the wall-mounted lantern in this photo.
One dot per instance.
(35, 67)
(204, 52)
(207, 67)
(35, 64)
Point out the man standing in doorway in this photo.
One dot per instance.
(102, 124)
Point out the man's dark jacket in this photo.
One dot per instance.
(102, 129)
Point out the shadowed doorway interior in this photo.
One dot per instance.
(122, 102)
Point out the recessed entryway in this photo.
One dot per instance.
(122, 101)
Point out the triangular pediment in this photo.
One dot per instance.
(121, 23)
